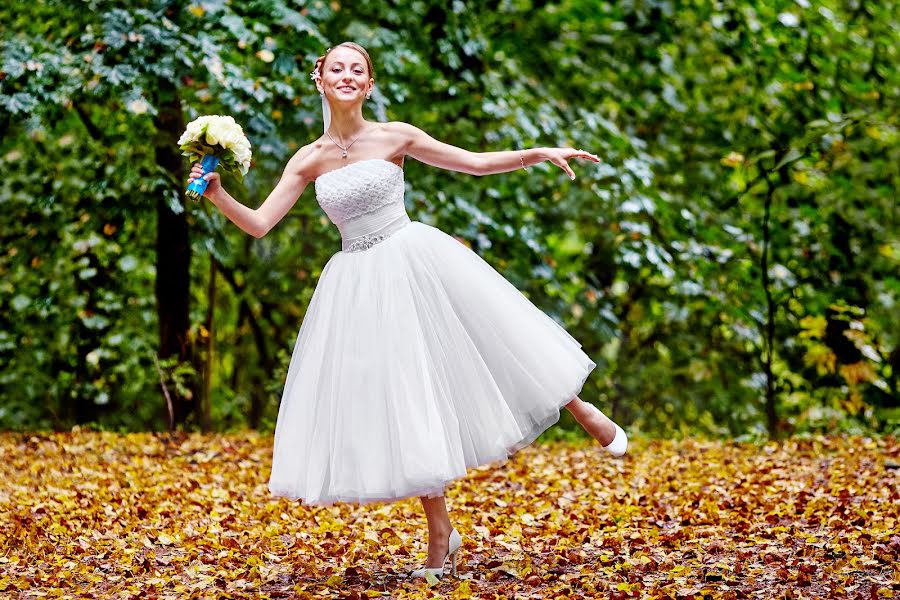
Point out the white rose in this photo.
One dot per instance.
(213, 133)
(193, 130)
(230, 139)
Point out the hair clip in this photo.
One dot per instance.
(316, 73)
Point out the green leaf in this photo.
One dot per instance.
(792, 155)
(762, 155)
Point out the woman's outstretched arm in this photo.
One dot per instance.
(258, 222)
(426, 149)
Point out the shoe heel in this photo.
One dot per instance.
(453, 564)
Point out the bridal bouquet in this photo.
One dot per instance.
(215, 139)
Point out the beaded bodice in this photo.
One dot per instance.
(359, 188)
(364, 200)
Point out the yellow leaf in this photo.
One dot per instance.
(733, 159)
(801, 177)
(371, 535)
(813, 326)
(463, 590)
(822, 358)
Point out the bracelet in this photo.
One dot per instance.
(522, 160)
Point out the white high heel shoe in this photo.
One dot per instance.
(619, 444)
(455, 543)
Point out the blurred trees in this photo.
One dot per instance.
(732, 265)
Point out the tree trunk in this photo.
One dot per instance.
(173, 249)
(769, 336)
(206, 409)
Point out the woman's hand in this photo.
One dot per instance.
(561, 156)
(214, 179)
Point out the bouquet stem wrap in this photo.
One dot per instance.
(195, 190)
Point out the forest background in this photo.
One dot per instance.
(731, 265)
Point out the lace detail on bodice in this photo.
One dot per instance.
(359, 188)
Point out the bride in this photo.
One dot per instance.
(415, 360)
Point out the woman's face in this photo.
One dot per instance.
(345, 76)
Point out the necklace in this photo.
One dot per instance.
(343, 149)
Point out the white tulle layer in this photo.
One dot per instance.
(415, 361)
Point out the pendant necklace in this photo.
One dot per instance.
(343, 149)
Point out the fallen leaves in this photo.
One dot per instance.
(102, 515)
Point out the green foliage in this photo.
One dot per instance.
(733, 259)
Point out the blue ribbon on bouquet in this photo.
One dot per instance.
(195, 190)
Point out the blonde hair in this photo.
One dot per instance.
(320, 62)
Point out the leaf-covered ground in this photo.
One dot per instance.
(104, 515)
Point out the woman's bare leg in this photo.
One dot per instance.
(439, 529)
(594, 422)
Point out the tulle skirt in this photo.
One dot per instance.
(416, 361)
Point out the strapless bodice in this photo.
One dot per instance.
(364, 200)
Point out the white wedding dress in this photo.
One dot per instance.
(415, 361)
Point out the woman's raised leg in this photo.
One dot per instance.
(601, 427)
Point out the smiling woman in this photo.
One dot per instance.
(359, 69)
(416, 360)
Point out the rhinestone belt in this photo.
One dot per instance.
(364, 242)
